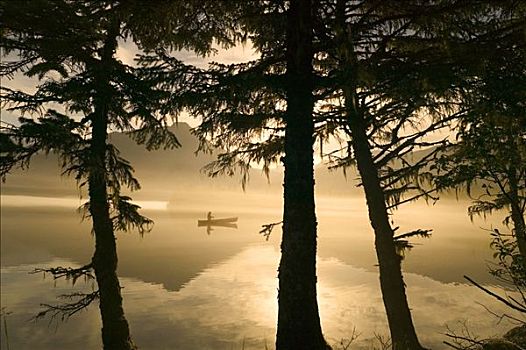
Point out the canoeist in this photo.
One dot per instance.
(209, 216)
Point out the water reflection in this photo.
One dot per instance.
(115, 328)
(234, 302)
(102, 268)
(36, 234)
(22, 293)
(211, 222)
(183, 289)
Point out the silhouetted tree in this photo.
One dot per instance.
(491, 153)
(71, 47)
(259, 111)
(491, 138)
(393, 86)
(400, 73)
(245, 111)
(298, 318)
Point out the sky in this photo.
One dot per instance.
(126, 53)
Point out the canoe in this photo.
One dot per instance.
(216, 222)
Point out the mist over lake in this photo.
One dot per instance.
(263, 175)
(186, 289)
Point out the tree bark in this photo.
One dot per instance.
(517, 214)
(403, 335)
(519, 227)
(115, 330)
(298, 317)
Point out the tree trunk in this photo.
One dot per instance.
(517, 214)
(115, 330)
(298, 318)
(403, 335)
(519, 227)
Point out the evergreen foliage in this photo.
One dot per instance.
(384, 78)
(490, 151)
(71, 65)
(72, 48)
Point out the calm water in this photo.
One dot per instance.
(184, 289)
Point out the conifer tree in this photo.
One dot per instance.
(490, 151)
(71, 46)
(404, 72)
(383, 85)
(262, 111)
(245, 111)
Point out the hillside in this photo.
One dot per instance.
(162, 172)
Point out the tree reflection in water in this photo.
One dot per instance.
(115, 329)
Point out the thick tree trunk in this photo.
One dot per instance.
(115, 330)
(517, 214)
(403, 335)
(298, 318)
(519, 227)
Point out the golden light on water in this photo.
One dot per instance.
(186, 287)
(236, 300)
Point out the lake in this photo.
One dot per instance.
(186, 289)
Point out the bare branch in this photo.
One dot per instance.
(65, 310)
(496, 296)
(267, 229)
